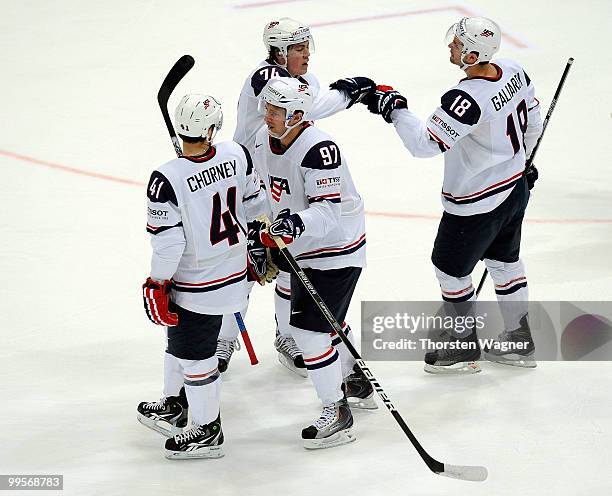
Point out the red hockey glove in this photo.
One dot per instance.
(156, 297)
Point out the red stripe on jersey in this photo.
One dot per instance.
(437, 139)
(197, 284)
(516, 176)
(334, 249)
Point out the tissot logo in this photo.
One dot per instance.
(158, 213)
(486, 33)
(277, 186)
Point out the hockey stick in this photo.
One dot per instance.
(246, 339)
(463, 472)
(529, 162)
(179, 70)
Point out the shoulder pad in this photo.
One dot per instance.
(160, 190)
(323, 155)
(262, 75)
(461, 106)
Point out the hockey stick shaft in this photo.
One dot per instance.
(181, 67)
(245, 337)
(458, 472)
(529, 162)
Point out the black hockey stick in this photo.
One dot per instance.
(178, 72)
(463, 472)
(529, 162)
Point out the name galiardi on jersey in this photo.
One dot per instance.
(510, 89)
(211, 175)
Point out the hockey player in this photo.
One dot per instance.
(288, 45)
(485, 126)
(320, 213)
(198, 271)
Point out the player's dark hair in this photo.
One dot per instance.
(192, 139)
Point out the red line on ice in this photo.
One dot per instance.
(391, 215)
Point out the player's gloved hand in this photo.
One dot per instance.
(261, 267)
(287, 225)
(156, 297)
(385, 100)
(355, 88)
(531, 174)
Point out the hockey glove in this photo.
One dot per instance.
(531, 174)
(287, 225)
(261, 267)
(354, 88)
(385, 100)
(156, 297)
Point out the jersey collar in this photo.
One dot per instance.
(210, 153)
(497, 77)
(278, 149)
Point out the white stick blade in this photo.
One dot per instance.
(465, 472)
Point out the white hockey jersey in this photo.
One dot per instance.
(312, 179)
(192, 206)
(325, 102)
(486, 127)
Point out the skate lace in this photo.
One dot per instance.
(190, 434)
(287, 344)
(328, 415)
(156, 405)
(226, 348)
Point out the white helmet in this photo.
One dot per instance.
(284, 32)
(290, 94)
(195, 115)
(477, 34)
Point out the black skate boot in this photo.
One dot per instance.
(200, 441)
(332, 428)
(453, 359)
(513, 347)
(167, 416)
(225, 350)
(358, 390)
(290, 355)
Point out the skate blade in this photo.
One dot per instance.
(209, 452)
(513, 360)
(289, 364)
(460, 368)
(368, 403)
(158, 426)
(339, 438)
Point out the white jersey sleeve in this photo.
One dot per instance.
(325, 102)
(322, 185)
(254, 199)
(164, 223)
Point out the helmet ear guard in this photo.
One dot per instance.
(196, 114)
(477, 34)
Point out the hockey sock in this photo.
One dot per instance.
(511, 290)
(347, 361)
(173, 375)
(203, 388)
(322, 363)
(282, 303)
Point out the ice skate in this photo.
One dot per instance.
(167, 416)
(200, 441)
(225, 350)
(332, 428)
(358, 390)
(514, 348)
(290, 355)
(453, 361)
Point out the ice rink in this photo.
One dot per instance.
(81, 132)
